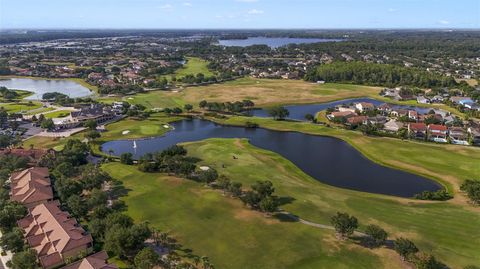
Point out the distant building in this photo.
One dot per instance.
(438, 133)
(417, 130)
(97, 112)
(364, 106)
(393, 126)
(423, 100)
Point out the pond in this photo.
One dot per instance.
(41, 86)
(272, 42)
(326, 159)
(298, 112)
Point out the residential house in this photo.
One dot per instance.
(94, 261)
(356, 120)
(423, 100)
(54, 235)
(385, 108)
(460, 99)
(399, 113)
(31, 186)
(364, 106)
(458, 135)
(346, 108)
(417, 130)
(393, 126)
(437, 99)
(413, 115)
(474, 133)
(438, 133)
(340, 115)
(377, 120)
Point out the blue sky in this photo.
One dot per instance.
(239, 14)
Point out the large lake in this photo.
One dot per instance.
(298, 112)
(41, 86)
(327, 159)
(272, 42)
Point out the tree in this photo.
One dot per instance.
(10, 214)
(428, 261)
(202, 104)
(24, 260)
(188, 107)
(126, 158)
(90, 124)
(472, 188)
(208, 176)
(376, 234)
(235, 189)
(263, 188)
(344, 224)
(96, 198)
(278, 112)
(13, 241)
(92, 135)
(268, 204)
(147, 258)
(77, 206)
(404, 247)
(309, 117)
(48, 124)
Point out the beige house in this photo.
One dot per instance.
(54, 235)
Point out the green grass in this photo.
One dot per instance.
(231, 235)
(57, 114)
(20, 107)
(194, 66)
(235, 237)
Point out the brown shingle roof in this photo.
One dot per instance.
(31, 185)
(94, 261)
(51, 231)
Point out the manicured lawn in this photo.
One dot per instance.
(57, 114)
(266, 92)
(231, 235)
(235, 237)
(194, 66)
(20, 107)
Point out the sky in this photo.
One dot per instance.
(239, 14)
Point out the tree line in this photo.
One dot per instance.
(378, 75)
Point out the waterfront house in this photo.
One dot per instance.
(54, 235)
(356, 120)
(393, 126)
(377, 120)
(417, 130)
(423, 100)
(346, 108)
(385, 108)
(460, 99)
(31, 186)
(413, 115)
(438, 133)
(458, 135)
(364, 106)
(340, 115)
(399, 113)
(98, 260)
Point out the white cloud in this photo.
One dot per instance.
(444, 22)
(392, 10)
(187, 4)
(166, 6)
(255, 12)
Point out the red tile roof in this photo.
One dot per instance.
(418, 126)
(31, 185)
(94, 261)
(437, 127)
(52, 232)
